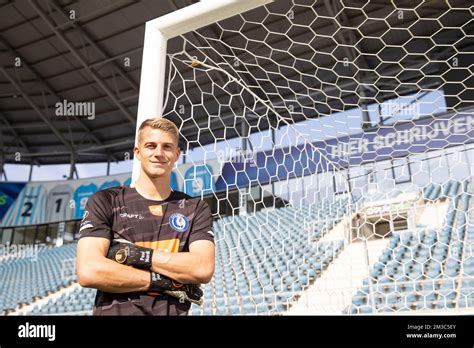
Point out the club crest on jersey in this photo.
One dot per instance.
(179, 222)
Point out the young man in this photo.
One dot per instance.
(147, 248)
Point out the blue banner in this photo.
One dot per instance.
(384, 143)
(22, 203)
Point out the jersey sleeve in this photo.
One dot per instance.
(97, 219)
(202, 224)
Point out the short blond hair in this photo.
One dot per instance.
(159, 123)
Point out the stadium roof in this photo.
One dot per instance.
(51, 55)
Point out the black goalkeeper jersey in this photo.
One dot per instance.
(171, 225)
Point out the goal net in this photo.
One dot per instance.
(333, 141)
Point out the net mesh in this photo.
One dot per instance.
(346, 130)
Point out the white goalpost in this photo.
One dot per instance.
(157, 33)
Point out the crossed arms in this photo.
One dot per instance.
(95, 270)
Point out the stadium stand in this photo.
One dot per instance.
(267, 274)
(27, 279)
(422, 269)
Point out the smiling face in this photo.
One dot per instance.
(157, 152)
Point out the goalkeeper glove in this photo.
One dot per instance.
(185, 292)
(127, 253)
